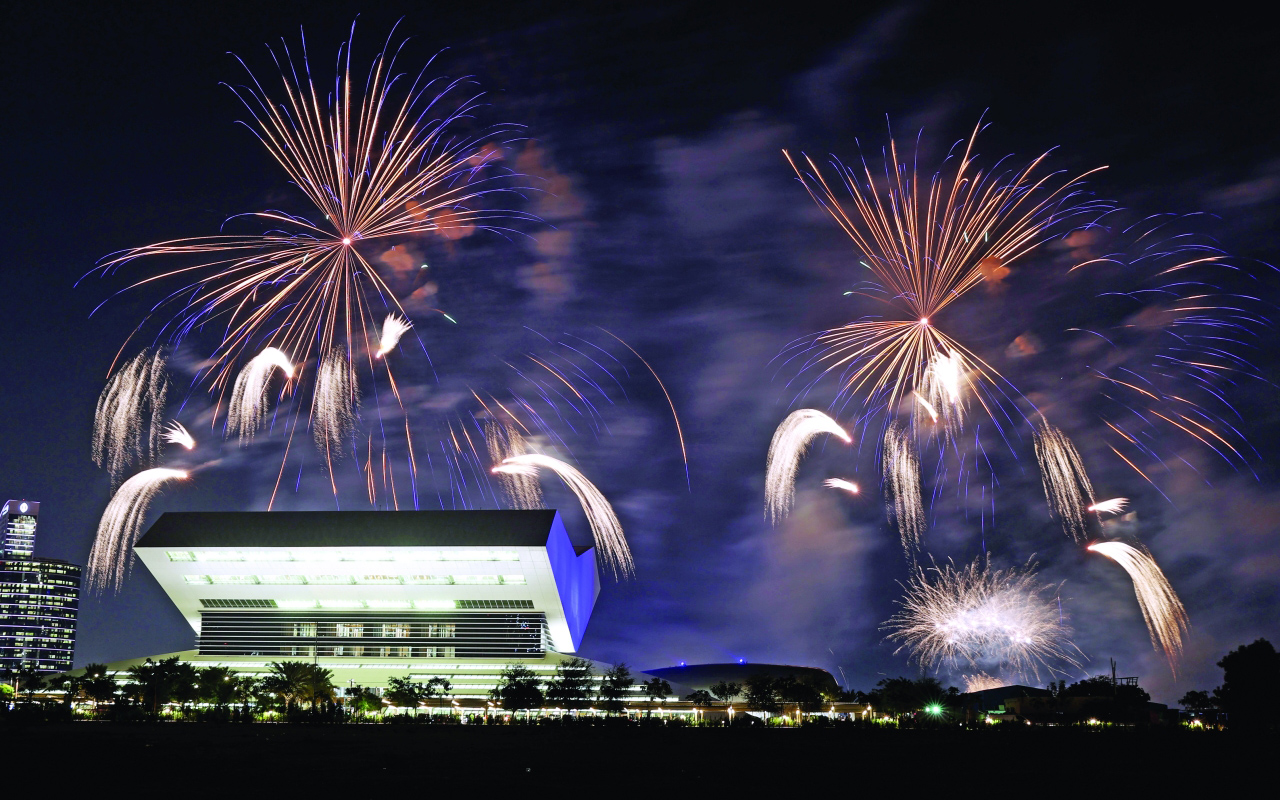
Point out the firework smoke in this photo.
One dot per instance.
(842, 484)
(790, 441)
(333, 408)
(1066, 484)
(902, 484)
(126, 425)
(522, 488)
(393, 327)
(605, 528)
(118, 529)
(1166, 618)
(978, 617)
(177, 434)
(1115, 505)
(248, 409)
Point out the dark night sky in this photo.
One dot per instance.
(678, 226)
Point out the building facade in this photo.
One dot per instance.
(372, 595)
(39, 598)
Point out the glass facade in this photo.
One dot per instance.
(39, 601)
(39, 598)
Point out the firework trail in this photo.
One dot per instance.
(112, 551)
(1115, 505)
(1066, 484)
(393, 327)
(522, 488)
(842, 484)
(248, 409)
(334, 404)
(127, 423)
(902, 483)
(925, 244)
(605, 528)
(978, 617)
(177, 434)
(790, 441)
(1163, 611)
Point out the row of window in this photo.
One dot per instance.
(339, 554)
(364, 580)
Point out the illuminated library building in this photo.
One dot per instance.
(372, 595)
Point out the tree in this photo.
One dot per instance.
(28, 681)
(1113, 702)
(405, 693)
(1196, 702)
(614, 685)
(154, 682)
(800, 693)
(762, 694)
(295, 682)
(1251, 673)
(571, 685)
(99, 686)
(363, 701)
(246, 688)
(656, 689)
(518, 688)
(725, 691)
(71, 687)
(216, 685)
(184, 682)
(701, 697)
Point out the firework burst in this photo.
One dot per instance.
(1066, 484)
(902, 485)
(177, 434)
(976, 617)
(248, 409)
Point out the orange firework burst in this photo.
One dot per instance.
(380, 157)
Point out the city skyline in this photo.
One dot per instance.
(673, 221)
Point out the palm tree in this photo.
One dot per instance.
(287, 681)
(217, 685)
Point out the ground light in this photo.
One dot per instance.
(934, 709)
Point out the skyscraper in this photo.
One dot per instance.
(39, 598)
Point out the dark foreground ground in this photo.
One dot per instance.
(208, 758)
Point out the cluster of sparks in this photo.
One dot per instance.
(1164, 613)
(790, 441)
(610, 541)
(902, 485)
(974, 616)
(112, 552)
(130, 412)
(1066, 484)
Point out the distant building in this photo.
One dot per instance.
(704, 676)
(39, 598)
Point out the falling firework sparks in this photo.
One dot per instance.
(902, 484)
(981, 682)
(522, 488)
(393, 327)
(1116, 505)
(248, 409)
(790, 441)
(112, 551)
(127, 423)
(334, 404)
(978, 617)
(177, 434)
(841, 484)
(605, 528)
(1163, 611)
(1066, 484)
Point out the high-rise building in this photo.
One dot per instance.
(39, 598)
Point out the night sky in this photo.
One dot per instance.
(653, 138)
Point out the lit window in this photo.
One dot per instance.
(180, 555)
(477, 580)
(439, 580)
(196, 578)
(514, 580)
(282, 580)
(219, 555)
(234, 579)
(379, 579)
(295, 604)
(389, 604)
(331, 580)
(342, 604)
(434, 604)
